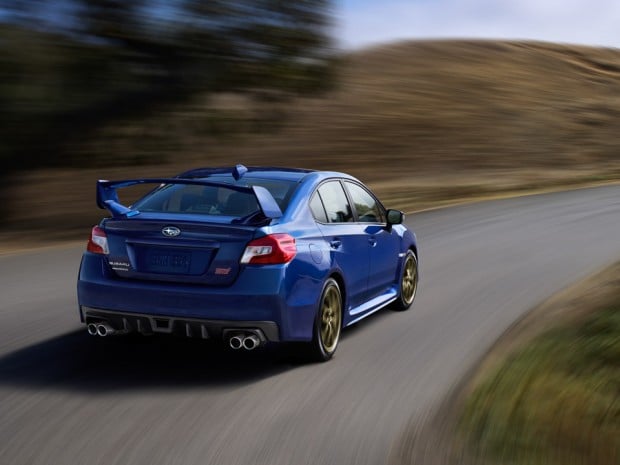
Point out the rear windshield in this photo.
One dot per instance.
(213, 200)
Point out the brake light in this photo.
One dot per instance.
(98, 242)
(270, 250)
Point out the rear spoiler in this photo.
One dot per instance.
(108, 198)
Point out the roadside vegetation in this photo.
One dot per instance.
(555, 399)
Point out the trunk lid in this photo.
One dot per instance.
(182, 251)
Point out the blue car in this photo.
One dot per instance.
(247, 256)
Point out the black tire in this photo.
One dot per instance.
(327, 324)
(408, 282)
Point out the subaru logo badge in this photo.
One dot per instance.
(171, 231)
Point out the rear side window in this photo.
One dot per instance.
(335, 201)
(366, 206)
(316, 206)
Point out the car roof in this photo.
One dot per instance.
(269, 172)
(239, 172)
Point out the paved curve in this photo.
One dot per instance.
(68, 398)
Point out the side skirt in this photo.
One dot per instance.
(373, 305)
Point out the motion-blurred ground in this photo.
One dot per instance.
(420, 122)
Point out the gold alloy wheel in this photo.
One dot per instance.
(331, 314)
(410, 279)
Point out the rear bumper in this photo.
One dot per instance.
(189, 327)
(281, 304)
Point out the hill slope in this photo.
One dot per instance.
(420, 121)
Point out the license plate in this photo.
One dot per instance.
(168, 262)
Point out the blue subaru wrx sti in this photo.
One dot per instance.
(247, 255)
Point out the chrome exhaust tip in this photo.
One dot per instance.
(92, 329)
(236, 342)
(104, 329)
(251, 342)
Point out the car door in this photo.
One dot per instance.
(350, 251)
(383, 242)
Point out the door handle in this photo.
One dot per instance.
(372, 241)
(335, 243)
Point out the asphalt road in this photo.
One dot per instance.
(68, 398)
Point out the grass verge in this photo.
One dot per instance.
(555, 399)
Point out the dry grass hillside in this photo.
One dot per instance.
(421, 122)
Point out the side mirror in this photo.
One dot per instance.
(395, 217)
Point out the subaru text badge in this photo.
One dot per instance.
(171, 231)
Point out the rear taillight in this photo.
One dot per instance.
(98, 242)
(270, 250)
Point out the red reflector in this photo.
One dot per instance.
(98, 242)
(270, 250)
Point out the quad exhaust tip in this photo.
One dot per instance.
(100, 329)
(247, 341)
(104, 329)
(251, 342)
(236, 342)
